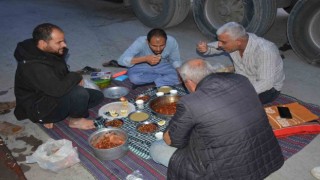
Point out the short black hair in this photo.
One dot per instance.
(43, 32)
(156, 32)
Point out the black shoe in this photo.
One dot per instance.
(285, 47)
(112, 63)
(88, 70)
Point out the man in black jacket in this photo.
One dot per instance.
(220, 130)
(46, 91)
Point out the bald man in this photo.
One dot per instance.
(220, 129)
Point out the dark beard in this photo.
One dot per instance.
(63, 55)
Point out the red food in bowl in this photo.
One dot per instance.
(114, 123)
(147, 128)
(167, 109)
(108, 141)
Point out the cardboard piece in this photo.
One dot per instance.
(300, 115)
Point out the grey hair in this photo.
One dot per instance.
(233, 29)
(195, 71)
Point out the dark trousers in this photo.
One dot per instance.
(75, 104)
(268, 96)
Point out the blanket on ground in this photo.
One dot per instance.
(120, 168)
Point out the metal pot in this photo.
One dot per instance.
(112, 153)
(163, 101)
(115, 92)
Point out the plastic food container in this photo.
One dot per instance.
(101, 79)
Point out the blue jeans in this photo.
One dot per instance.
(161, 74)
(75, 104)
(161, 152)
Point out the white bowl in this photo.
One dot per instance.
(160, 94)
(159, 135)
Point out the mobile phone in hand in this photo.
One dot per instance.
(284, 112)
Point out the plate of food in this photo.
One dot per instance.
(165, 89)
(116, 110)
(147, 127)
(114, 123)
(138, 116)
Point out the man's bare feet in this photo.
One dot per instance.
(48, 125)
(81, 123)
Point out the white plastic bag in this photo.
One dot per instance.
(55, 155)
(135, 175)
(90, 84)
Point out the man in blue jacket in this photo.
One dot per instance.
(220, 130)
(152, 59)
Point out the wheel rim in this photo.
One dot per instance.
(305, 41)
(152, 8)
(218, 12)
(314, 30)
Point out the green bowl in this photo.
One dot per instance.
(102, 83)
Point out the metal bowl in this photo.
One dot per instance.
(113, 123)
(163, 101)
(112, 153)
(147, 123)
(135, 113)
(165, 89)
(115, 92)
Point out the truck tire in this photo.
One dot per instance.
(256, 16)
(303, 30)
(289, 8)
(161, 13)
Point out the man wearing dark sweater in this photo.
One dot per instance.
(46, 91)
(220, 129)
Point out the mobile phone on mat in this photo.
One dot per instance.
(284, 112)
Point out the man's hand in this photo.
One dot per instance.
(81, 83)
(179, 76)
(166, 138)
(202, 47)
(153, 59)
